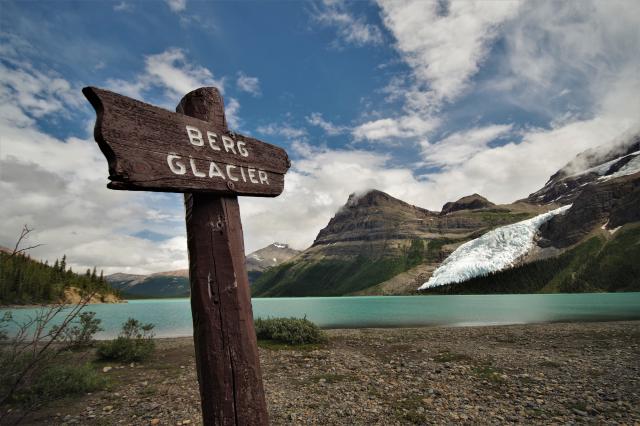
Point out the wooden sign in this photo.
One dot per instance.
(152, 149)
(192, 151)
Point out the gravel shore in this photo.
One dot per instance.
(548, 373)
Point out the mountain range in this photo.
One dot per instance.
(176, 283)
(586, 214)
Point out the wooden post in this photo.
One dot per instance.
(227, 358)
(192, 151)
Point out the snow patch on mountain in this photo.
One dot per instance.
(630, 168)
(493, 251)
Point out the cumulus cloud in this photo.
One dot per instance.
(36, 92)
(177, 5)
(248, 84)
(457, 148)
(389, 130)
(122, 7)
(231, 111)
(169, 71)
(351, 29)
(316, 119)
(445, 42)
(282, 129)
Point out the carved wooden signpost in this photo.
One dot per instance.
(192, 151)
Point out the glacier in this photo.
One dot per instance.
(493, 251)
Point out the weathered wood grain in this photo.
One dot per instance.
(227, 359)
(137, 138)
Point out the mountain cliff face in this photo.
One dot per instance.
(375, 237)
(176, 283)
(604, 205)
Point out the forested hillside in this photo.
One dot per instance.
(24, 280)
(337, 277)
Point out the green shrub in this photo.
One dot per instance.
(79, 333)
(59, 381)
(294, 331)
(134, 343)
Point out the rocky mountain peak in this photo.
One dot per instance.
(618, 158)
(372, 197)
(269, 256)
(469, 202)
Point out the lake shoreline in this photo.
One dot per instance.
(535, 373)
(172, 317)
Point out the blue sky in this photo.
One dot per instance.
(429, 101)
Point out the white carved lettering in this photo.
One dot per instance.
(196, 173)
(241, 148)
(252, 175)
(214, 171)
(177, 167)
(263, 177)
(195, 136)
(213, 140)
(229, 167)
(229, 144)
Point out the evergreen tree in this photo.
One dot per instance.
(23, 280)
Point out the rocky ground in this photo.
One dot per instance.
(550, 373)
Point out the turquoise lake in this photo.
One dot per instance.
(172, 317)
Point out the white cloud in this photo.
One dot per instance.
(248, 84)
(231, 110)
(579, 49)
(35, 92)
(171, 72)
(329, 128)
(444, 44)
(389, 130)
(177, 5)
(457, 148)
(513, 171)
(351, 30)
(284, 130)
(445, 47)
(122, 7)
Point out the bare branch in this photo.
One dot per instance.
(24, 234)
